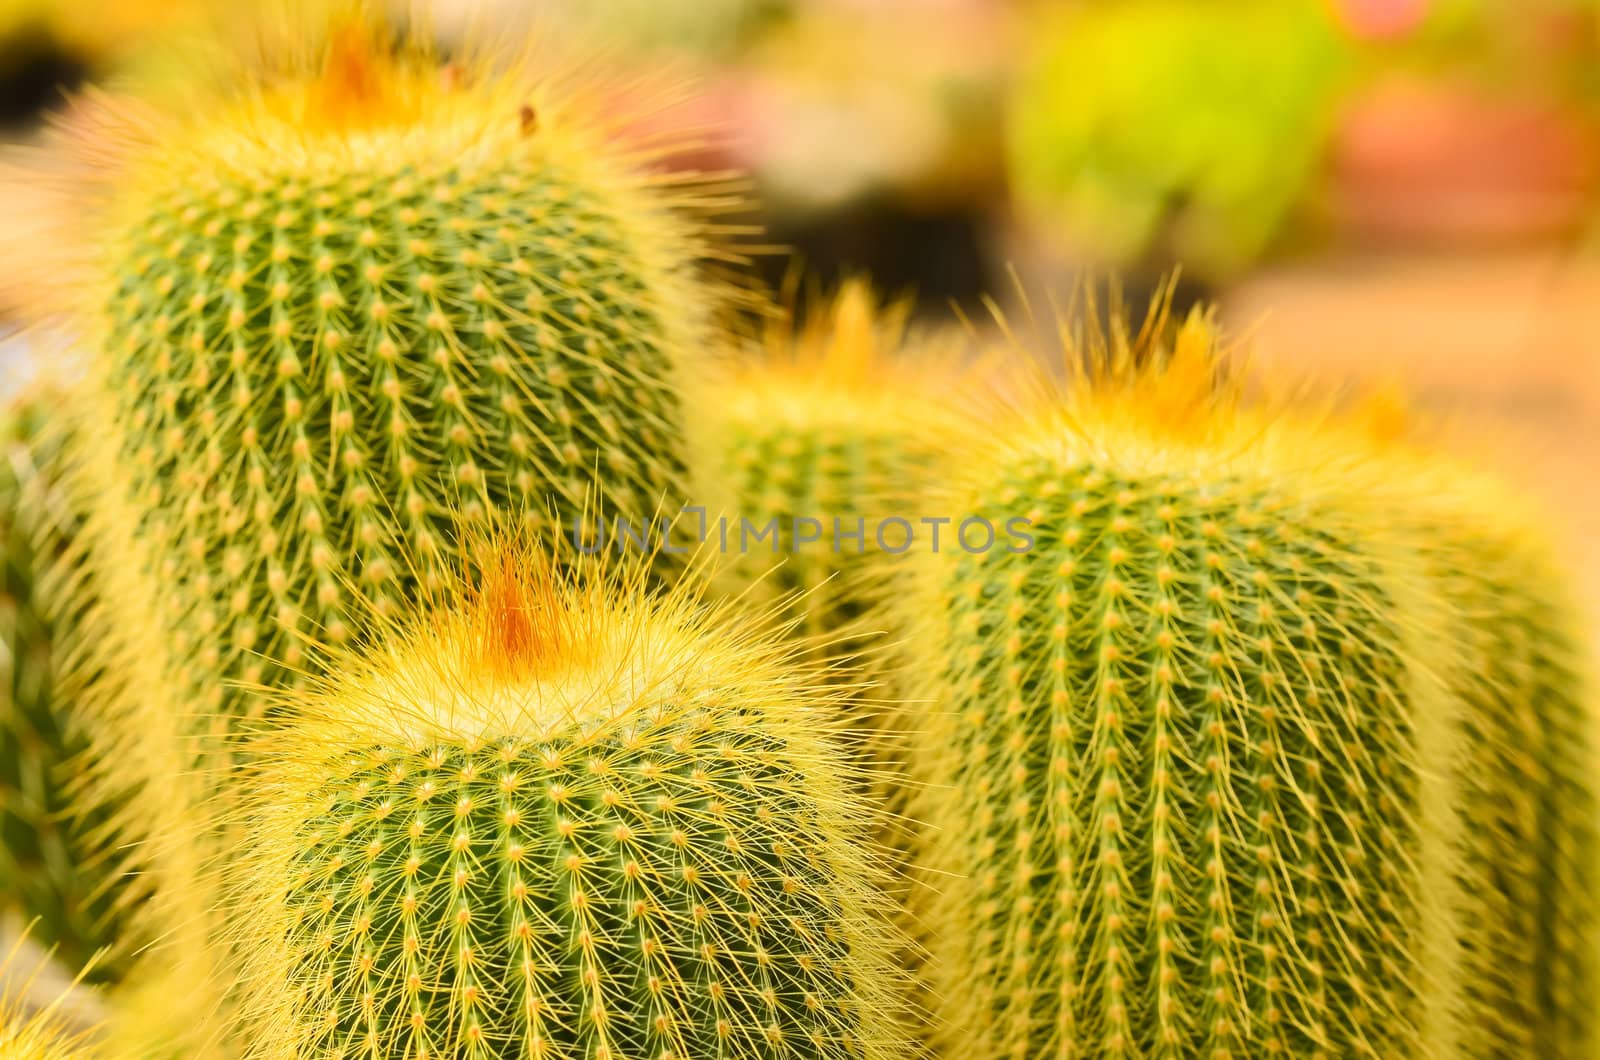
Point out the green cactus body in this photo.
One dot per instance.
(835, 430)
(570, 822)
(48, 861)
(1174, 776)
(334, 318)
(1526, 771)
(1529, 774)
(325, 347)
(831, 436)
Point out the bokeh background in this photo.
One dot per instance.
(1394, 192)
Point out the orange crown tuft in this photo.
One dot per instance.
(520, 623)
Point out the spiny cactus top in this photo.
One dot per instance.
(1189, 785)
(569, 821)
(50, 871)
(810, 450)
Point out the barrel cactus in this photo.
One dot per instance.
(1529, 778)
(811, 458)
(365, 300)
(332, 316)
(50, 869)
(1527, 763)
(813, 454)
(568, 819)
(1191, 779)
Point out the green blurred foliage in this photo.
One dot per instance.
(1194, 126)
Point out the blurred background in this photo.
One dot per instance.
(1396, 191)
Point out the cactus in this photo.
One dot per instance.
(830, 433)
(1529, 778)
(1177, 770)
(830, 436)
(568, 818)
(1273, 742)
(48, 859)
(332, 317)
(1528, 758)
(365, 299)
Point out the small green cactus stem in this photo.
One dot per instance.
(48, 873)
(830, 433)
(571, 819)
(1175, 791)
(1529, 775)
(1527, 770)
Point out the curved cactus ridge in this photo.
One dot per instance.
(334, 315)
(828, 431)
(51, 871)
(1191, 783)
(1528, 766)
(566, 818)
